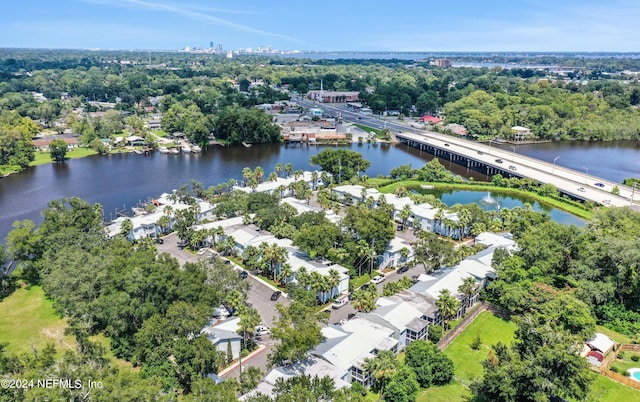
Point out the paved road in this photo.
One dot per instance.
(259, 297)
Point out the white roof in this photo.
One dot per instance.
(601, 342)
(498, 240)
(355, 338)
(454, 277)
(270, 186)
(396, 312)
(224, 223)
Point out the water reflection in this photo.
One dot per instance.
(495, 201)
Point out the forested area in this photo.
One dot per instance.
(202, 95)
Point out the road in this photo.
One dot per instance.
(576, 183)
(259, 297)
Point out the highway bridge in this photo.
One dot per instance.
(493, 160)
(484, 158)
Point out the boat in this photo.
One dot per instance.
(139, 151)
(163, 150)
(196, 149)
(186, 148)
(245, 144)
(174, 151)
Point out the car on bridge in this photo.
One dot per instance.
(581, 189)
(599, 185)
(499, 160)
(511, 167)
(480, 153)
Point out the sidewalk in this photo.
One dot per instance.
(236, 363)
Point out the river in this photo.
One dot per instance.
(121, 181)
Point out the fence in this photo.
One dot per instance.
(451, 335)
(621, 378)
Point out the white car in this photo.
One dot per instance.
(339, 303)
(377, 279)
(202, 251)
(261, 330)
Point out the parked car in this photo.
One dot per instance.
(511, 167)
(499, 161)
(243, 275)
(262, 330)
(158, 240)
(276, 295)
(202, 251)
(377, 279)
(182, 244)
(601, 185)
(339, 303)
(403, 269)
(351, 315)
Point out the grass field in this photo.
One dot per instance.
(466, 361)
(42, 158)
(29, 321)
(606, 390)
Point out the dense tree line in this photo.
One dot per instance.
(150, 308)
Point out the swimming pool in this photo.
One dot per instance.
(634, 373)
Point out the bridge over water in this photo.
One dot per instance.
(493, 160)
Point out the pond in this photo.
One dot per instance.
(494, 200)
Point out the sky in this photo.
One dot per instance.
(329, 25)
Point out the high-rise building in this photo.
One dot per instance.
(211, 45)
(444, 63)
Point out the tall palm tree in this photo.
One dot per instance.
(447, 306)
(258, 173)
(288, 168)
(405, 214)
(334, 281)
(273, 176)
(247, 174)
(314, 178)
(302, 277)
(400, 191)
(359, 300)
(468, 289)
(275, 255)
(249, 320)
(285, 273)
(278, 168)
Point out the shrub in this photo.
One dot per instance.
(475, 345)
(435, 333)
(635, 358)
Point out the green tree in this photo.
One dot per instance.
(431, 366)
(382, 368)
(447, 306)
(58, 150)
(341, 163)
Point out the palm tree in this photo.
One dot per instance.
(275, 254)
(247, 174)
(253, 183)
(400, 191)
(468, 289)
(288, 168)
(273, 176)
(297, 174)
(302, 277)
(382, 368)
(285, 273)
(258, 173)
(334, 281)
(447, 306)
(249, 320)
(278, 168)
(163, 222)
(363, 251)
(125, 228)
(359, 300)
(405, 214)
(314, 178)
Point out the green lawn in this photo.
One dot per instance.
(625, 363)
(29, 320)
(616, 336)
(42, 158)
(466, 361)
(607, 390)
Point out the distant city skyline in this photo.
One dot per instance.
(463, 25)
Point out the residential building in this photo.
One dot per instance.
(224, 335)
(521, 133)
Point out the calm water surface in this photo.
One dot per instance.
(122, 181)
